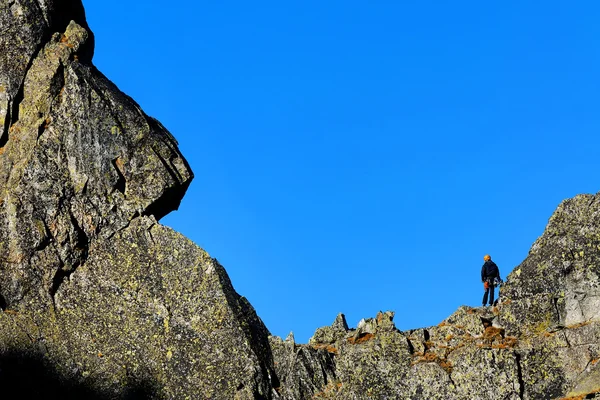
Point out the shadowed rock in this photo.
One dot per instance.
(28, 376)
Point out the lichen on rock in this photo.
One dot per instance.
(89, 280)
(541, 342)
(94, 289)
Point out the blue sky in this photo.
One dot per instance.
(363, 156)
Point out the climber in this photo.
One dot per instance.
(489, 273)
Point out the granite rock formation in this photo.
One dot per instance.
(90, 283)
(99, 300)
(541, 342)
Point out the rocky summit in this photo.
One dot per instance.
(541, 342)
(101, 301)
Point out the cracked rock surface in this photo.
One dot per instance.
(94, 288)
(89, 281)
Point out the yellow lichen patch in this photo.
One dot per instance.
(541, 328)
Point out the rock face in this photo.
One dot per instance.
(90, 283)
(99, 300)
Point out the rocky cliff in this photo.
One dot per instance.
(90, 283)
(99, 300)
(541, 342)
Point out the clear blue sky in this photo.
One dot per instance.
(363, 156)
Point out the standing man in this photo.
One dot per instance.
(489, 272)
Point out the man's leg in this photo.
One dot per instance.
(491, 293)
(485, 297)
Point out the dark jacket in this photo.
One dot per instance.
(489, 270)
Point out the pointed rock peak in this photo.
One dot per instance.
(385, 320)
(382, 317)
(290, 338)
(340, 323)
(329, 334)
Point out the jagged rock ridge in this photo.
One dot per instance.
(541, 342)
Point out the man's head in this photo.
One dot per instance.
(487, 257)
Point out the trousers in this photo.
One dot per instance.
(489, 291)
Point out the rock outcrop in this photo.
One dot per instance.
(541, 342)
(99, 300)
(90, 283)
